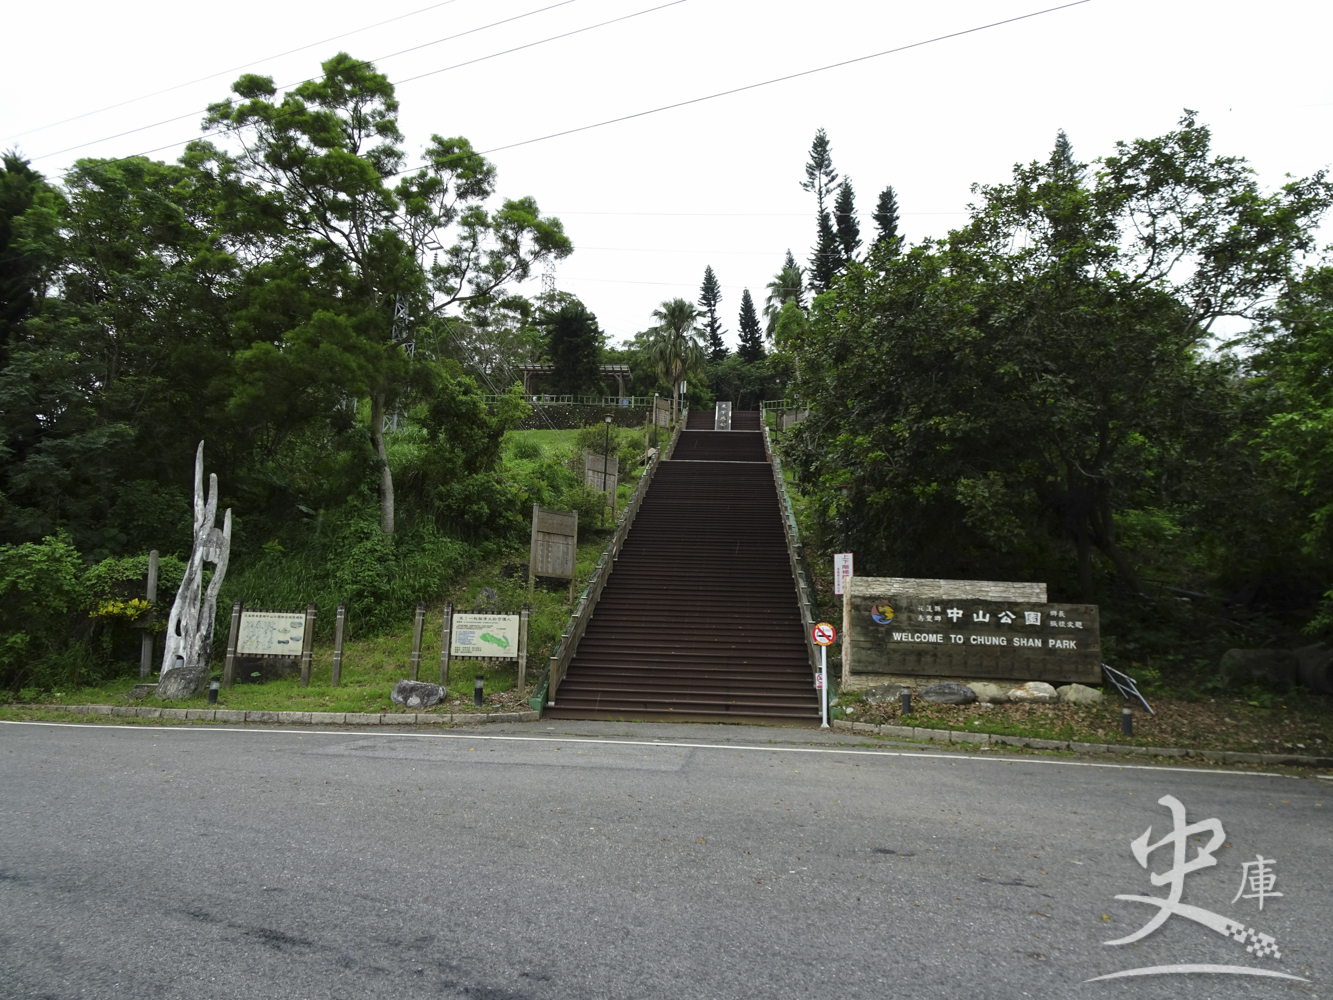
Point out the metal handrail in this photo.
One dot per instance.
(795, 553)
(592, 592)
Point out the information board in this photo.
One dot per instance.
(485, 635)
(270, 633)
(933, 636)
(554, 542)
(599, 474)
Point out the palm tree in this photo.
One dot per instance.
(788, 285)
(672, 348)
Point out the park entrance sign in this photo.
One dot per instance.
(892, 631)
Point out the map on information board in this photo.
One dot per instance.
(270, 633)
(485, 635)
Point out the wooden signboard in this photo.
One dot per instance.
(977, 639)
(661, 411)
(600, 474)
(554, 551)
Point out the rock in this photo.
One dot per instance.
(947, 693)
(1078, 694)
(182, 683)
(487, 602)
(417, 694)
(884, 692)
(1314, 668)
(142, 691)
(991, 693)
(1034, 691)
(1271, 668)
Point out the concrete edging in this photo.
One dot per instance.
(991, 739)
(294, 718)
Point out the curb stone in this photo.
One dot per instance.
(295, 718)
(995, 739)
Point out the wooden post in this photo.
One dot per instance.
(146, 643)
(338, 643)
(446, 642)
(523, 648)
(308, 645)
(417, 626)
(229, 665)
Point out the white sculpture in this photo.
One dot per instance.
(190, 628)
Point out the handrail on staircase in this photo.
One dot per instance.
(795, 553)
(578, 621)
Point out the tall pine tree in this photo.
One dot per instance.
(886, 219)
(751, 334)
(710, 297)
(826, 258)
(849, 227)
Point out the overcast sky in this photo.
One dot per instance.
(649, 202)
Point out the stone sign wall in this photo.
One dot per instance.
(894, 626)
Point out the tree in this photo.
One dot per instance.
(313, 175)
(1017, 389)
(20, 275)
(751, 333)
(672, 347)
(849, 227)
(710, 297)
(788, 285)
(886, 219)
(574, 345)
(826, 258)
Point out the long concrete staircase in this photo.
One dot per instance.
(699, 619)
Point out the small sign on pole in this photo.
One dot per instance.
(842, 572)
(824, 634)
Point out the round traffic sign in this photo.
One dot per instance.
(824, 634)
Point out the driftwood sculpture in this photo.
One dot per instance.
(190, 628)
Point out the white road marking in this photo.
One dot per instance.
(910, 755)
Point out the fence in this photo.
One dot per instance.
(578, 621)
(795, 554)
(549, 399)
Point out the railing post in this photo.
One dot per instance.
(229, 664)
(308, 645)
(338, 628)
(446, 643)
(417, 627)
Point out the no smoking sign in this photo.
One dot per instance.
(824, 634)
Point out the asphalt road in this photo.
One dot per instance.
(593, 861)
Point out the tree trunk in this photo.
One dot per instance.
(1104, 525)
(386, 477)
(1085, 584)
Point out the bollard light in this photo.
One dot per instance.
(213, 693)
(907, 703)
(1127, 721)
(478, 695)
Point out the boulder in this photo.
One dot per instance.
(947, 693)
(1314, 668)
(1034, 691)
(884, 692)
(1078, 694)
(417, 694)
(181, 683)
(486, 603)
(1270, 668)
(990, 693)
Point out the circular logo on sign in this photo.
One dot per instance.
(882, 613)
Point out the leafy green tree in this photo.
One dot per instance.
(788, 285)
(672, 348)
(849, 227)
(751, 347)
(574, 346)
(990, 391)
(826, 259)
(886, 220)
(313, 177)
(710, 297)
(20, 274)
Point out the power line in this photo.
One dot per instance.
(734, 215)
(781, 79)
(224, 72)
(361, 63)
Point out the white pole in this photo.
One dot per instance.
(823, 677)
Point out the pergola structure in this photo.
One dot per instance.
(533, 372)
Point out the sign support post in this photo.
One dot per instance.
(338, 643)
(823, 634)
